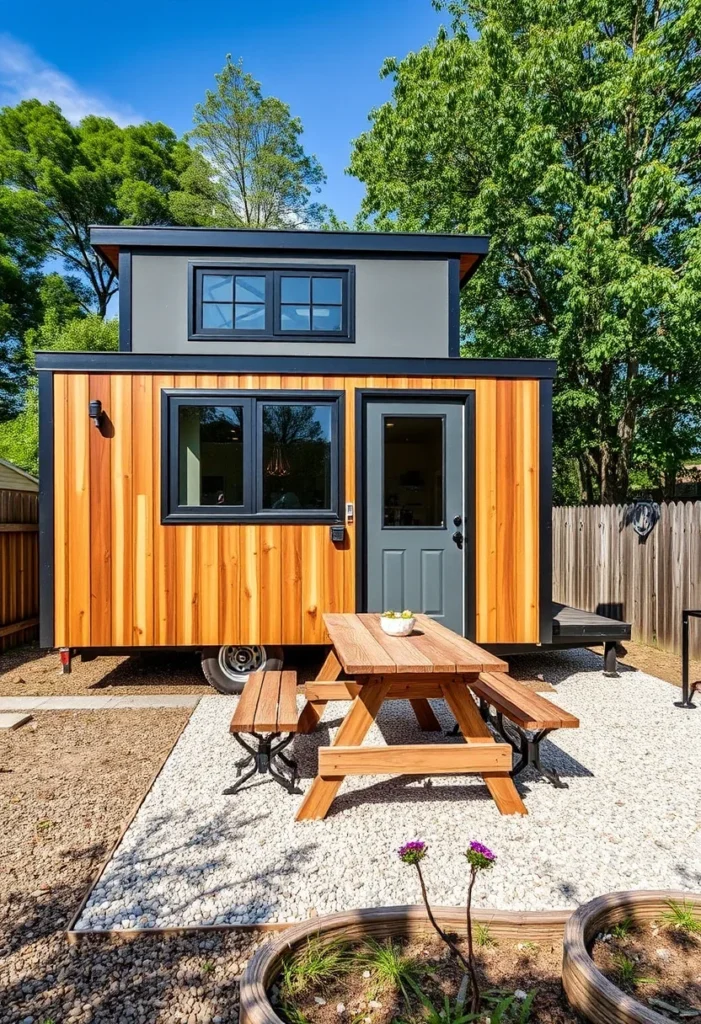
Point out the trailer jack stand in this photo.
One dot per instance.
(65, 656)
(610, 659)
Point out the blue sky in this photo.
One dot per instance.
(154, 60)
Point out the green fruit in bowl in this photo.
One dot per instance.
(406, 614)
(390, 615)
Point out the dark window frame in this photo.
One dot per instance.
(273, 332)
(172, 399)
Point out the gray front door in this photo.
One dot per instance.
(415, 509)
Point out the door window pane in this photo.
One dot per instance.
(210, 455)
(296, 457)
(413, 471)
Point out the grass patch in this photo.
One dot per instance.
(628, 971)
(682, 917)
(623, 929)
(389, 965)
(317, 963)
(483, 937)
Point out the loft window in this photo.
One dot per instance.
(249, 457)
(271, 304)
(309, 303)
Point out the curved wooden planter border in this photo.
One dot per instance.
(587, 989)
(381, 922)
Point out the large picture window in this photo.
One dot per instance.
(231, 456)
(271, 303)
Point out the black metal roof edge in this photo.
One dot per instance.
(265, 238)
(348, 366)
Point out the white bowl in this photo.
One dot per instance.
(397, 627)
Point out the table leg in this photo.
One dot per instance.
(501, 786)
(351, 733)
(425, 715)
(313, 710)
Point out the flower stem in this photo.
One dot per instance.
(475, 993)
(449, 943)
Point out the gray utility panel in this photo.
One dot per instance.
(415, 509)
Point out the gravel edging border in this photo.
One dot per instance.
(381, 922)
(587, 989)
(74, 936)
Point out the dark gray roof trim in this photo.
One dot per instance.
(311, 241)
(348, 366)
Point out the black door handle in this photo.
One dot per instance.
(458, 538)
(457, 520)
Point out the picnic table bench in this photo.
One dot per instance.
(267, 710)
(532, 718)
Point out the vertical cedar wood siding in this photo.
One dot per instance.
(123, 579)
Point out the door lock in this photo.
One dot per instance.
(458, 538)
(457, 520)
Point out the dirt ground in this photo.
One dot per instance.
(658, 663)
(655, 962)
(30, 672)
(503, 969)
(67, 784)
(27, 671)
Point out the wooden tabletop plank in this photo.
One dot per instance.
(358, 651)
(445, 657)
(469, 657)
(364, 649)
(407, 656)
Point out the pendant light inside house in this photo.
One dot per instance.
(277, 463)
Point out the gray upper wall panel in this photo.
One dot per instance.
(401, 307)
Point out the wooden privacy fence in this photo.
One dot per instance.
(19, 567)
(602, 565)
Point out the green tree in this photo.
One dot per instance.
(19, 437)
(68, 177)
(264, 178)
(571, 133)
(21, 255)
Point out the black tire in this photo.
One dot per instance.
(221, 671)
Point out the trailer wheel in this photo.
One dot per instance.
(228, 668)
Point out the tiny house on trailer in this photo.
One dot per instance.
(288, 429)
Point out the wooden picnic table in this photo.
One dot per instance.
(432, 662)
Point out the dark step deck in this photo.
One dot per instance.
(574, 624)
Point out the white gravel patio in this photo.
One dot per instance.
(631, 818)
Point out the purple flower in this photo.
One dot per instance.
(413, 852)
(479, 856)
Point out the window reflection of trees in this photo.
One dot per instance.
(296, 456)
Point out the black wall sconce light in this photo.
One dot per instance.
(95, 412)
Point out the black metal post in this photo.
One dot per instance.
(685, 702)
(610, 659)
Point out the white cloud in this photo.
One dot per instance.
(25, 75)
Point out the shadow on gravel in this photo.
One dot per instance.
(146, 980)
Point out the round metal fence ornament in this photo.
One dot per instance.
(644, 517)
